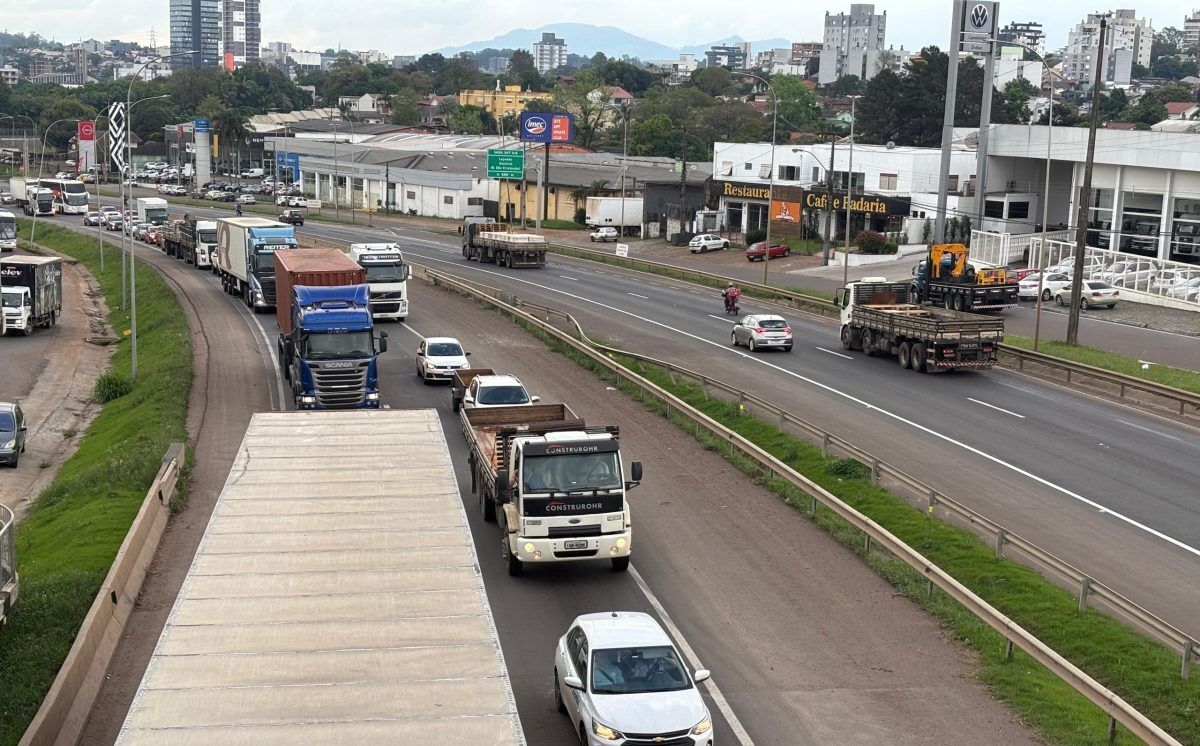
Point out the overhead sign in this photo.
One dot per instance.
(978, 26)
(506, 164)
(547, 128)
(202, 125)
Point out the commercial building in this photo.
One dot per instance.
(1127, 43)
(241, 32)
(732, 56)
(196, 27)
(500, 102)
(1028, 33)
(678, 71)
(1012, 65)
(852, 43)
(550, 53)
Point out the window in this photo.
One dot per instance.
(816, 174)
(993, 209)
(448, 200)
(789, 173)
(1185, 231)
(952, 184)
(860, 180)
(887, 181)
(1141, 217)
(1100, 218)
(748, 167)
(475, 201)
(411, 195)
(1018, 210)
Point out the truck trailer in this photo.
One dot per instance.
(31, 288)
(554, 484)
(32, 198)
(387, 275)
(192, 240)
(880, 318)
(947, 278)
(246, 258)
(608, 211)
(489, 241)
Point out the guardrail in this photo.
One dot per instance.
(1118, 710)
(1178, 397)
(64, 711)
(10, 582)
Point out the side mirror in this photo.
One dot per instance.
(467, 397)
(535, 399)
(466, 354)
(635, 470)
(24, 428)
(701, 674)
(502, 485)
(382, 342)
(573, 682)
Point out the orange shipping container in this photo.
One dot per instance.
(311, 268)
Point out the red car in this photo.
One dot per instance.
(152, 235)
(757, 251)
(1016, 275)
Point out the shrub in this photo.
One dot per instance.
(848, 468)
(581, 215)
(755, 236)
(870, 242)
(111, 386)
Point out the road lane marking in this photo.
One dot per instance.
(635, 295)
(721, 318)
(993, 406)
(572, 279)
(1150, 430)
(831, 352)
(735, 725)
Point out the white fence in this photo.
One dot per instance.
(1004, 249)
(1142, 280)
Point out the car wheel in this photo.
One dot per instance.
(15, 461)
(620, 564)
(558, 700)
(787, 349)
(1046, 296)
(1083, 303)
(582, 735)
(724, 244)
(733, 339)
(847, 338)
(864, 343)
(751, 344)
(1058, 300)
(787, 251)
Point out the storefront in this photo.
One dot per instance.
(747, 208)
(867, 212)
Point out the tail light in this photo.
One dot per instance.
(760, 331)
(1095, 295)
(787, 330)
(947, 351)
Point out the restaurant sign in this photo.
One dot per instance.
(745, 191)
(866, 204)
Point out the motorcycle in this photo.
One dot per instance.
(731, 303)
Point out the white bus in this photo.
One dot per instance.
(70, 195)
(8, 231)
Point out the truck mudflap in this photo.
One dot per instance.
(953, 364)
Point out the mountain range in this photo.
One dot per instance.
(586, 39)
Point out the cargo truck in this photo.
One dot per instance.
(554, 484)
(387, 275)
(327, 349)
(600, 212)
(30, 197)
(31, 292)
(152, 210)
(192, 240)
(246, 258)
(483, 387)
(947, 278)
(880, 318)
(489, 241)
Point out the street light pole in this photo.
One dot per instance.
(771, 184)
(41, 164)
(849, 194)
(127, 251)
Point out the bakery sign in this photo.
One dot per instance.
(867, 204)
(745, 191)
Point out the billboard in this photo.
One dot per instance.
(85, 134)
(547, 128)
(785, 212)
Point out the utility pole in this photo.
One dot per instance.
(544, 177)
(1081, 218)
(827, 243)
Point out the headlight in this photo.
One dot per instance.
(430, 366)
(702, 727)
(10, 444)
(373, 396)
(605, 732)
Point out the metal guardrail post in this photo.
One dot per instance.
(1000, 537)
(1085, 588)
(1188, 649)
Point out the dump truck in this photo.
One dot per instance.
(881, 318)
(489, 241)
(31, 288)
(246, 258)
(192, 240)
(483, 387)
(947, 278)
(554, 484)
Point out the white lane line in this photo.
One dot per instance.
(718, 318)
(850, 397)
(1150, 430)
(718, 698)
(831, 352)
(635, 295)
(993, 406)
(416, 333)
(572, 279)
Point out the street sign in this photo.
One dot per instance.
(506, 164)
(622, 249)
(202, 125)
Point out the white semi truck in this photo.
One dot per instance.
(387, 277)
(31, 197)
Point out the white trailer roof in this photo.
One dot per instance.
(335, 597)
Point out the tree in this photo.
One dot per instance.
(876, 113)
(1113, 104)
(1139, 71)
(522, 70)
(798, 107)
(406, 107)
(628, 76)
(1149, 110)
(886, 60)
(591, 190)
(1014, 104)
(714, 81)
(467, 120)
(846, 85)
(1173, 68)
(1065, 115)
(1167, 42)
(587, 98)
(231, 127)
(458, 74)
(68, 109)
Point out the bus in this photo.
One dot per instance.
(8, 231)
(70, 195)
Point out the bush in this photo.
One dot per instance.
(111, 386)
(755, 236)
(870, 242)
(581, 215)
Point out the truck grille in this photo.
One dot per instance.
(341, 387)
(556, 532)
(268, 289)
(386, 301)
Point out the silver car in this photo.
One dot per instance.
(1055, 281)
(1094, 293)
(761, 331)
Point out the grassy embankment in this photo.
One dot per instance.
(68, 539)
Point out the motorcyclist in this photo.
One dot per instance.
(239, 209)
(731, 293)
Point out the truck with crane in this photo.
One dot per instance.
(488, 241)
(946, 277)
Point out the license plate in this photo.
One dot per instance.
(575, 544)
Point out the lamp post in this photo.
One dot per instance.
(127, 252)
(41, 163)
(827, 236)
(771, 185)
(849, 191)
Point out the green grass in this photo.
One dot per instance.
(1188, 380)
(67, 541)
(562, 225)
(1142, 671)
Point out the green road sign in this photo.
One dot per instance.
(506, 164)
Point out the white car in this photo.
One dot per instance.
(604, 233)
(621, 681)
(707, 242)
(282, 200)
(1129, 273)
(297, 202)
(1027, 289)
(439, 357)
(496, 391)
(1186, 290)
(246, 199)
(761, 331)
(1094, 293)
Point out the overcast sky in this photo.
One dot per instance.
(410, 27)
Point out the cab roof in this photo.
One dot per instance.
(622, 629)
(499, 380)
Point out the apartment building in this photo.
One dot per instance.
(1128, 43)
(852, 43)
(550, 53)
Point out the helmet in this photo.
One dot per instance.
(730, 285)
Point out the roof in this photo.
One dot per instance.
(621, 629)
(6, 406)
(618, 92)
(1178, 107)
(499, 380)
(440, 340)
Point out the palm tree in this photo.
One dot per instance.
(591, 190)
(231, 127)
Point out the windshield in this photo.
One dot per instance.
(1099, 285)
(638, 670)
(208, 236)
(156, 213)
(8, 423)
(264, 262)
(392, 273)
(503, 395)
(332, 346)
(77, 200)
(573, 472)
(12, 300)
(772, 324)
(444, 349)
(8, 229)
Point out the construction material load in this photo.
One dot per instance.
(489, 241)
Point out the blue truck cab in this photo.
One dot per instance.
(330, 355)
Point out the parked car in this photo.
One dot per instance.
(618, 676)
(69, 164)
(1129, 273)
(1016, 275)
(439, 357)
(707, 242)
(295, 201)
(1166, 280)
(604, 233)
(282, 200)
(93, 218)
(246, 199)
(1027, 289)
(1186, 290)
(12, 433)
(294, 217)
(62, 175)
(757, 251)
(762, 330)
(1091, 266)
(1094, 293)
(87, 178)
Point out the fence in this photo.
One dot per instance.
(10, 582)
(1005, 249)
(1116, 708)
(1142, 280)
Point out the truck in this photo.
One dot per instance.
(489, 241)
(70, 195)
(607, 211)
(947, 278)
(246, 258)
(31, 289)
(327, 349)
(483, 387)
(554, 484)
(387, 274)
(192, 240)
(32, 198)
(8, 231)
(881, 318)
(152, 210)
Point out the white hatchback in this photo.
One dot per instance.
(620, 679)
(1027, 289)
(439, 357)
(707, 242)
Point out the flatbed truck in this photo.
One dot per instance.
(947, 278)
(492, 242)
(192, 240)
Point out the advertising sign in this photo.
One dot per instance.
(785, 212)
(506, 164)
(978, 26)
(547, 128)
(85, 133)
(202, 125)
(622, 249)
(288, 161)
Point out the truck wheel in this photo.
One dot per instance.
(864, 343)
(620, 564)
(487, 509)
(847, 338)
(948, 302)
(918, 357)
(514, 565)
(904, 354)
(28, 329)
(958, 303)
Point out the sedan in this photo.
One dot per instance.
(618, 676)
(93, 218)
(1095, 293)
(1186, 290)
(707, 242)
(1016, 275)
(762, 331)
(439, 357)
(1027, 289)
(246, 199)
(152, 234)
(114, 222)
(758, 251)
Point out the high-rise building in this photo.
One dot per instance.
(550, 53)
(1127, 43)
(733, 56)
(1191, 33)
(195, 26)
(1027, 33)
(852, 43)
(241, 31)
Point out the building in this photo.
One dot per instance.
(852, 43)
(403, 60)
(1191, 33)
(277, 53)
(9, 75)
(370, 108)
(675, 72)
(150, 72)
(196, 27)
(768, 59)
(550, 53)
(496, 64)
(1011, 65)
(1128, 43)
(732, 56)
(504, 101)
(1028, 33)
(241, 32)
(804, 52)
(1183, 110)
(303, 62)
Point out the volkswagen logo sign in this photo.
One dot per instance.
(979, 16)
(536, 125)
